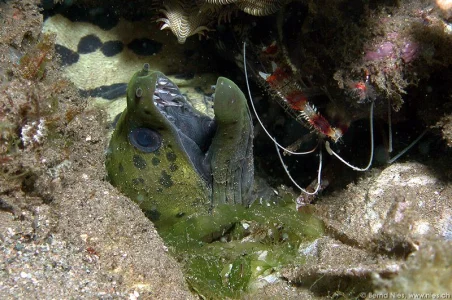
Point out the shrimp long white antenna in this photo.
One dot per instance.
(257, 116)
(319, 172)
(331, 152)
(408, 147)
(389, 127)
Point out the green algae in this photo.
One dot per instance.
(233, 250)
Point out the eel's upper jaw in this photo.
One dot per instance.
(166, 93)
(147, 83)
(155, 103)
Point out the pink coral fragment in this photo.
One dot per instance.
(383, 51)
(409, 51)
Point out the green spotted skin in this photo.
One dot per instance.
(232, 145)
(165, 182)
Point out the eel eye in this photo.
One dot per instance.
(145, 139)
(139, 92)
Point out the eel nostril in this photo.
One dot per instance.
(139, 92)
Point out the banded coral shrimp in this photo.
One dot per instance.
(396, 47)
(291, 95)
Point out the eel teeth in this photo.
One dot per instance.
(163, 103)
(161, 91)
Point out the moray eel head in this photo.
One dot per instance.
(175, 161)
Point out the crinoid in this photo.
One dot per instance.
(252, 7)
(260, 8)
(186, 18)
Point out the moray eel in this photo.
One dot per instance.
(174, 161)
